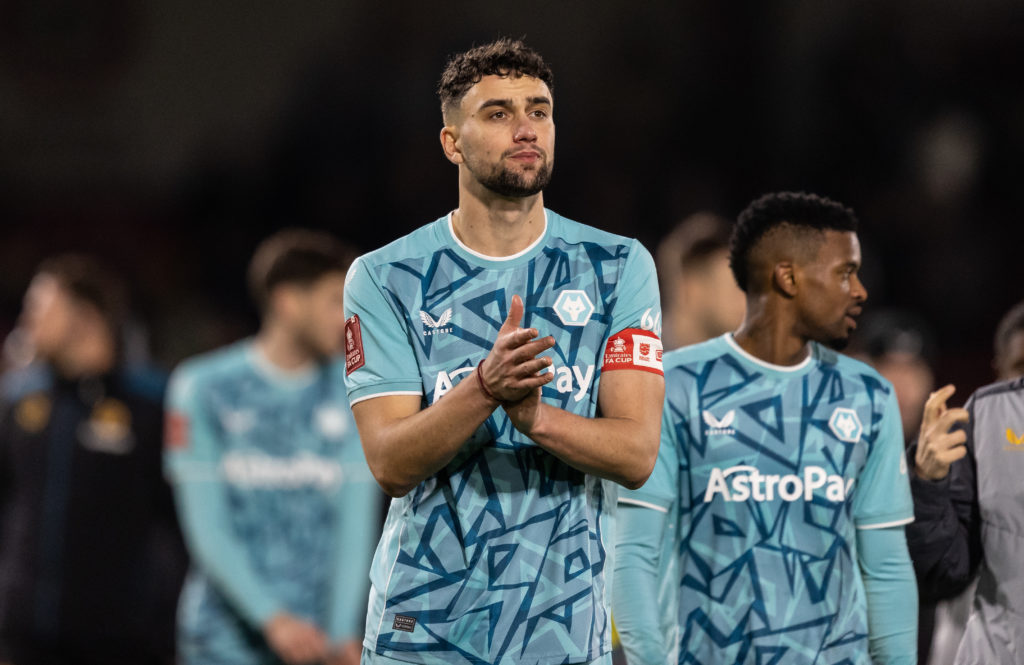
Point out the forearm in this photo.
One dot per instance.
(891, 596)
(635, 586)
(622, 449)
(404, 451)
(219, 555)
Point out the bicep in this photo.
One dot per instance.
(375, 415)
(633, 394)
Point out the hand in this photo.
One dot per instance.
(511, 369)
(294, 640)
(524, 413)
(937, 447)
(346, 653)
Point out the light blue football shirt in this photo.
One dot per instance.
(277, 503)
(503, 556)
(765, 473)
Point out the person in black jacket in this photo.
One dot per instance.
(90, 556)
(969, 504)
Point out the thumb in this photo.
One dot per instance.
(515, 313)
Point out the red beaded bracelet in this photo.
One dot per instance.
(480, 379)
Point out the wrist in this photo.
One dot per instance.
(483, 384)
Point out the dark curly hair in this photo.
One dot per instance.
(795, 209)
(503, 57)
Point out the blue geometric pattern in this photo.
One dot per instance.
(286, 455)
(501, 556)
(767, 498)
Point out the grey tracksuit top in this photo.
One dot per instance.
(972, 522)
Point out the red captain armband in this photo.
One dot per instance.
(633, 348)
(176, 430)
(354, 356)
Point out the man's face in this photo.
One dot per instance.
(830, 294)
(48, 315)
(318, 315)
(1010, 363)
(504, 135)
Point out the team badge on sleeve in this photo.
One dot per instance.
(633, 348)
(354, 357)
(176, 430)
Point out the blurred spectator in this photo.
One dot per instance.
(90, 557)
(901, 346)
(699, 296)
(951, 549)
(279, 509)
(1009, 344)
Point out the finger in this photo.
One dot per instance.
(531, 367)
(936, 403)
(953, 455)
(536, 381)
(950, 440)
(515, 313)
(511, 339)
(952, 417)
(531, 349)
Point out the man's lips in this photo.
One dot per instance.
(526, 156)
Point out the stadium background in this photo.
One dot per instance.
(169, 137)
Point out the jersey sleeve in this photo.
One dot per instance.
(883, 487)
(379, 357)
(192, 460)
(662, 487)
(635, 339)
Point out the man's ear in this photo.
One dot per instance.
(784, 278)
(450, 144)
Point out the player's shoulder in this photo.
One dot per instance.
(19, 383)
(692, 354)
(423, 241)
(856, 372)
(226, 362)
(1010, 388)
(573, 232)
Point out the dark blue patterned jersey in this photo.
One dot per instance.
(503, 555)
(766, 472)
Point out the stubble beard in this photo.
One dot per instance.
(514, 184)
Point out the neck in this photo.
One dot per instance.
(769, 335)
(281, 348)
(497, 226)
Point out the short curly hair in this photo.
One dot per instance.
(795, 209)
(502, 57)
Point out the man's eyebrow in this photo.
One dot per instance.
(504, 103)
(507, 103)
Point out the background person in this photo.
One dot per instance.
(699, 296)
(772, 525)
(278, 507)
(91, 560)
